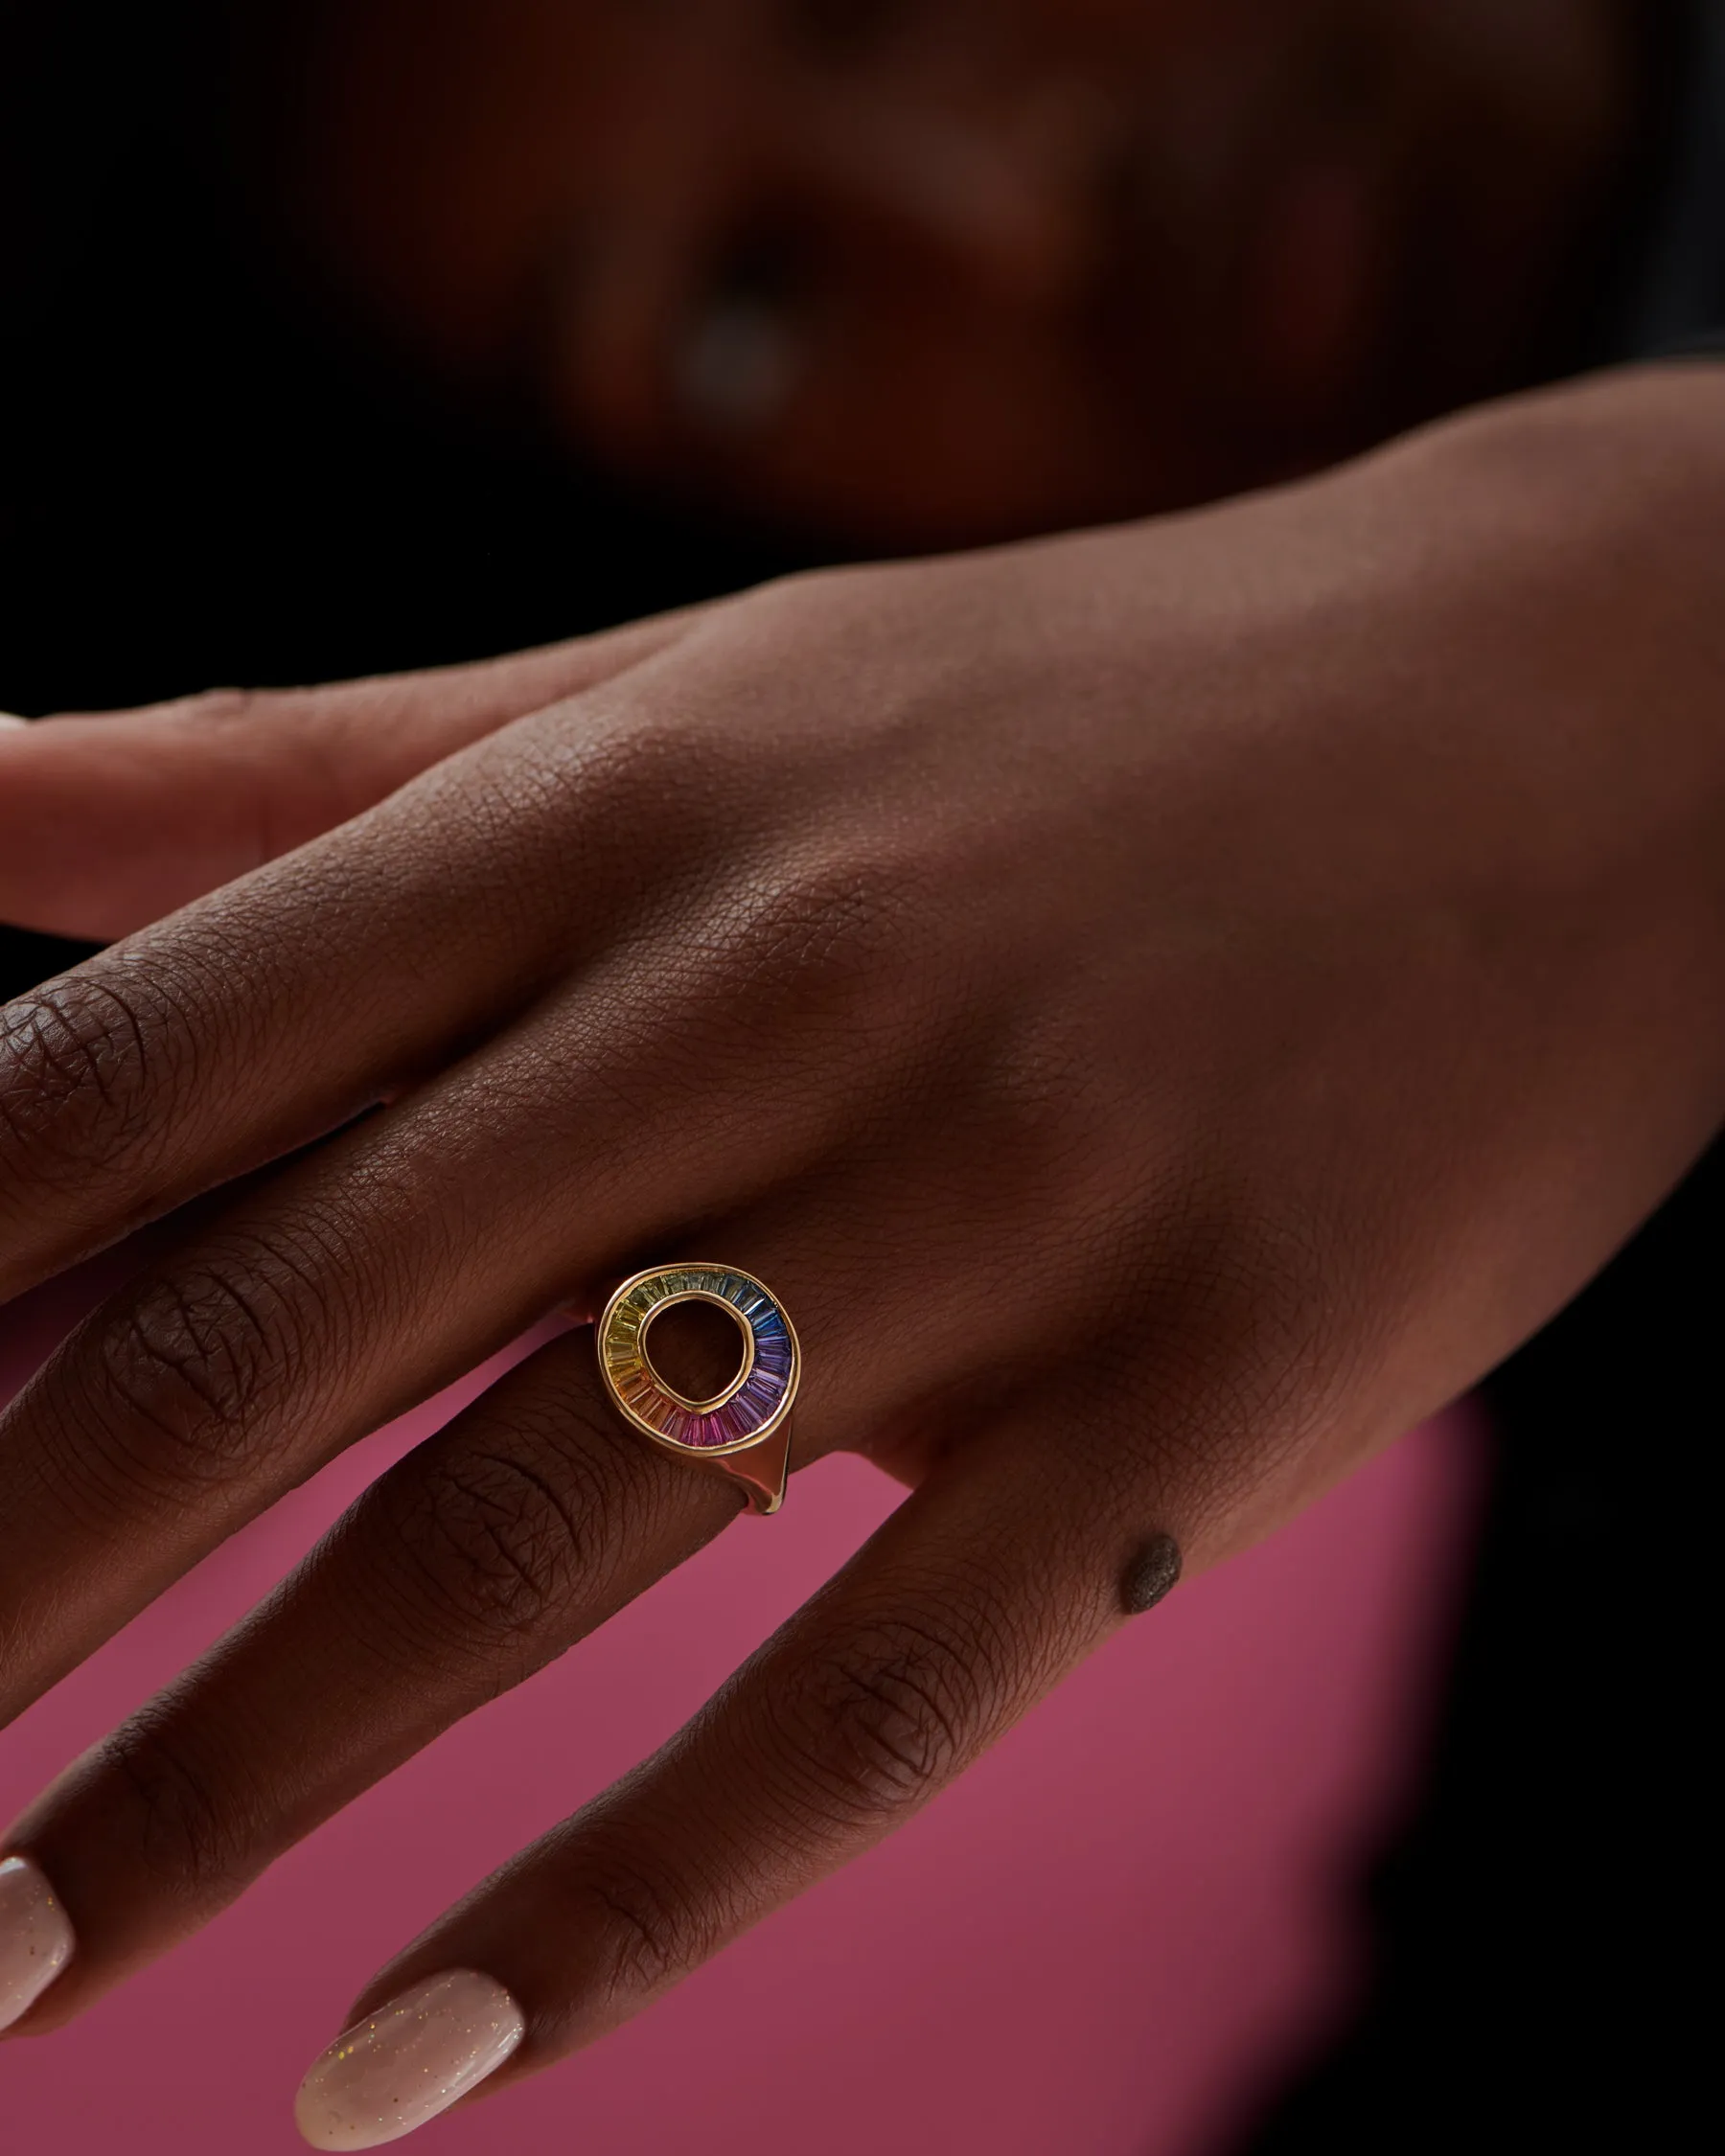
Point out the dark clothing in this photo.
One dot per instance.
(1535, 1985)
(1678, 300)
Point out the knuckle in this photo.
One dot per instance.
(503, 1542)
(659, 768)
(234, 707)
(83, 1060)
(646, 789)
(833, 931)
(887, 1715)
(192, 1363)
(834, 600)
(183, 1829)
(649, 1932)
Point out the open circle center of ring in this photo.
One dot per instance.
(712, 1405)
(750, 1408)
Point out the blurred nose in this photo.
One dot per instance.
(998, 193)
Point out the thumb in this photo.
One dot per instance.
(110, 819)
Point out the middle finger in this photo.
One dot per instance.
(500, 1542)
(364, 1276)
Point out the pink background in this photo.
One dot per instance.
(1106, 1941)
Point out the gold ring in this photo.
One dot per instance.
(743, 1429)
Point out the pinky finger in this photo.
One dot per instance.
(980, 1593)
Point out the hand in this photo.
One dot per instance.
(1167, 1008)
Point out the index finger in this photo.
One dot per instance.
(110, 819)
(281, 1005)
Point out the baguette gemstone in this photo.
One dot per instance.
(757, 1399)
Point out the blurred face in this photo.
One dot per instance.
(927, 271)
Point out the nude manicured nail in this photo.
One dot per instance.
(408, 2061)
(36, 1938)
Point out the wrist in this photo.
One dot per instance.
(1583, 619)
(1558, 576)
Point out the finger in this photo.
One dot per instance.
(471, 1563)
(511, 1534)
(978, 1594)
(109, 820)
(284, 1004)
(366, 1274)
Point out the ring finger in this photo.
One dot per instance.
(982, 1590)
(490, 1550)
(361, 1279)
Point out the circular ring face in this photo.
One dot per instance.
(756, 1400)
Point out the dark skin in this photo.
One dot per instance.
(1167, 1007)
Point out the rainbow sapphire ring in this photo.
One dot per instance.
(742, 1430)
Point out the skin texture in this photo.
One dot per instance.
(925, 272)
(1167, 1008)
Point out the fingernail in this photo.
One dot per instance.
(411, 2059)
(36, 1938)
(11, 718)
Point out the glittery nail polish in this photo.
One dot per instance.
(417, 2054)
(36, 1938)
